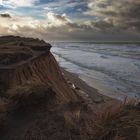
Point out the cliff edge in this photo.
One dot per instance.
(27, 60)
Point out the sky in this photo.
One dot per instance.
(71, 20)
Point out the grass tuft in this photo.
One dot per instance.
(30, 94)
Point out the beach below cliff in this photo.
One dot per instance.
(93, 97)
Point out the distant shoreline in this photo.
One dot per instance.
(98, 42)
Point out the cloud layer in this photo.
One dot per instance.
(18, 3)
(71, 19)
(122, 14)
(55, 26)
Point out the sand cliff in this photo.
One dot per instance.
(38, 66)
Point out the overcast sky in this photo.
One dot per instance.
(72, 20)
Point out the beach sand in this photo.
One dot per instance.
(91, 92)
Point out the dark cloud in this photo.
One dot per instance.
(109, 20)
(103, 25)
(123, 14)
(63, 18)
(5, 15)
(63, 33)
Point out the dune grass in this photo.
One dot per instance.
(30, 93)
(119, 122)
(74, 120)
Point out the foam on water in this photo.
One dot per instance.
(113, 69)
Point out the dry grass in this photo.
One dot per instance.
(30, 93)
(115, 122)
(109, 113)
(120, 122)
(3, 113)
(71, 117)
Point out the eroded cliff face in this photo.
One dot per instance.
(46, 70)
(40, 67)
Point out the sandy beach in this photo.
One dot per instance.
(92, 93)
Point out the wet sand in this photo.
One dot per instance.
(92, 92)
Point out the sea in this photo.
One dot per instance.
(113, 69)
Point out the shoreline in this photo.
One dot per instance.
(93, 93)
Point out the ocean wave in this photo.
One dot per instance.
(132, 51)
(116, 76)
(121, 72)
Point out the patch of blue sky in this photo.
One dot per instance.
(3, 8)
(33, 12)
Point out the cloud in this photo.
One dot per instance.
(61, 27)
(124, 15)
(5, 15)
(64, 5)
(58, 20)
(55, 26)
(18, 3)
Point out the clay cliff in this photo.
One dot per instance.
(27, 60)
